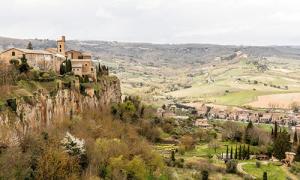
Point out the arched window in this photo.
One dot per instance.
(13, 53)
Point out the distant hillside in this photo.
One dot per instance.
(157, 53)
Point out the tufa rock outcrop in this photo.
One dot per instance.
(42, 109)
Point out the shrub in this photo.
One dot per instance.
(12, 103)
(187, 142)
(258, 164)
(231, 166)
(56, 164)
(204, 175)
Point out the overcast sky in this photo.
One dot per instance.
(247, 22)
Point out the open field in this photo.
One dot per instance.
(277, 100)
(230, 83)
(273, 171)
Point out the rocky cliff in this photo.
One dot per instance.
(43, 109)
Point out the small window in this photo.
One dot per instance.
(59, 46)
(92, 69)
(85, 64)
(13, 53)
(59, 50)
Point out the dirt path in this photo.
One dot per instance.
(290, 175)
(240, 169)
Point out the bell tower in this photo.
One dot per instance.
(61, 46)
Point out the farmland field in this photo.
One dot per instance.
(279, 100)
(230, 83)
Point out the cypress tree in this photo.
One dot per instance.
(248, 152)
(272, 133)
(236, 154)
(247, 132)
(297, 157)
(173, 156)
(240, 152)
(231, 153)
(295, 142)
(281, 144)
(265, 176)
(29, 46)
(226, 152)
(275, 130)
(62, 69)
(244, 152)
(68, 65)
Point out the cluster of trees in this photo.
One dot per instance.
(275, 143)
(22, 66)
(98, 146)
(241, 153)
(281, 142)
(65, 67)
(102, 70)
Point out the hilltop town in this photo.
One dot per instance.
(218, 118)
(52, 59)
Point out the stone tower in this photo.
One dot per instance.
(61, 45)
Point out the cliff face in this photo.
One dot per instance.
(43, 109)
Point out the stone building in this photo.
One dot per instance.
(39, 59)
(51, 59)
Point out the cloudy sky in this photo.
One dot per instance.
(247, 22)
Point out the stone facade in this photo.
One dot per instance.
(51, 59)
(39, 59)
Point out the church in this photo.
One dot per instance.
(51, 58)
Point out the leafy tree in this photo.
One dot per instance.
(86, 79)
(281, 144)
(137, 168)
(231, 166)
(248, 137)
(56, 164)
(295, 107)
(187, 142)
(29, 46)
(214, 144)
(297, 157)
(24, 67)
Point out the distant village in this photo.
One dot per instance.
(52, 59)
(205, 112)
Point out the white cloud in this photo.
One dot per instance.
(171, 21)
